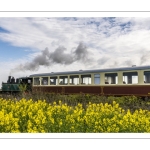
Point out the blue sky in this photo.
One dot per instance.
(10, 52)
(49, 44)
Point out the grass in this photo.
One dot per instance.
(126, 102)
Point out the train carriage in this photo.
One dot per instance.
(133, 80)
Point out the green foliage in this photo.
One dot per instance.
(126, 102)
(22, 87)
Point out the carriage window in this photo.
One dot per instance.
(96, 78)
(29, 81)
(63, 80)
(86, 79)
(130, 77)
(146, 76)
(111, 78)
(44, 80)
(74, 80)
(36, 81)
(53, 80)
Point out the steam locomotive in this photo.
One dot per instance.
(134, 80)
(13, 85)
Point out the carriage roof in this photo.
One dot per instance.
(93, 71)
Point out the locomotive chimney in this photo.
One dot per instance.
(9, 79)
(12, 80)
(17, 80)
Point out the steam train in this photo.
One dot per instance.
(13, 86)
(134, 80)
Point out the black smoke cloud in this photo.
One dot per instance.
(81, 53)
(59, 56)
(144, 58)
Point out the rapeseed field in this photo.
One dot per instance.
(28, 116)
